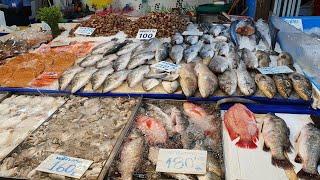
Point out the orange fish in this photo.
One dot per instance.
(241, 122)
(153, 129)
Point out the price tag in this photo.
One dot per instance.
(45, 26)
(146, 34)
(192, 33)
(59, 43)
(165, 66)
(86, 31)
(64, 165)
(297, 23)
(182, 161)
(275, 70)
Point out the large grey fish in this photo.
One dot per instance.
(233, 58)
(140, 59)
(102, 48)
(285, 59)
(162, 52)
(219, 64)
(223, 48)
(115, 80)
(128, 48)
(276, 134)
(216, 29)
(207, 52)
(170, 87)
(207, 81)
(122, 62)
(188, 79)
(82, 78)
(191, 135)
(192, 40)
(233, 33)
(137, 75)
(176, 53)
(67, 77)
(308, 150)
(177, 38)
(130, 157)
(207, 38)
(283, 84)
(263, 28)
(301, 85)
(100, 76)
(191, 53)
(116, 47)
(91, 60)
(192, 27)
(273, 34)
(266, 85)
(228, 81)
(149, 84)
(263, 59)
(106, 61)
(246, 83)
(148, 46)
(249, 58)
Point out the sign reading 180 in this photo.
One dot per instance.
(146, 34)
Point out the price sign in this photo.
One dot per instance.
(275, 70)
(64, 165)
(59, 43)
(146, 34)
(297, 23)
(182, 161)
(45, 26)
(166, 66)
(85, 31)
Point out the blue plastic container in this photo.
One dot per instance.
(252, 6)
(308, 22)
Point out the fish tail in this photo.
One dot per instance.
(246, 144)
(305, 175)
(283, 163)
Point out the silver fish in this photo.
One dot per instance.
(233, 58)
(223, 48)
(91, 60)
(137, 75)
(67, 77)
(249, 58)
(266, 85)
(122, 62)
(176, 53)
(159, 114)
(301, 85)
(149, 84)
(115, 80)
(228, 82)
(128, 48)
(177, 38)
(140, 59)
(117, 47)
(220, 39)
(188, 79)
(162, 52)
(100, 76)
(263, 59)
(207, 52)
(216, 29)
(171, 76)
(207, 81)
(219, 64)
(192, 27)
(102, 48)
(192, 40)
(246, 83)
(106, 61)
(263, 28)
(155, 74)
(207, 38)
(192, 52)
(170, 87)
(82, 78)
(148, 46)
(308, 152)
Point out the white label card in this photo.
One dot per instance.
(275, 70)
(59, 43)
(297, 23)
(182, 161)
(146, 34)
(86, 31)
(165, 66)
(64, 165)
(45, 26)
(192, 33)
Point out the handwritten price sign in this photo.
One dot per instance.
(275, 70)
(165, 66)
(64, 165)
(182, 161)
(85, 31)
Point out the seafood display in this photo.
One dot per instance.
(83, 128)
(20, 115)
(173, 125)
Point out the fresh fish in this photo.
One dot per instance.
(192, 40)
(178, 122)
(207, 52)
(171, 76)
(170, 87)
(249, 58)
(223, 49)
(130, 157)
(177, 38)
(91, 60)
(191, 53)
(116, 47)
(100, 76)
(301, 85)
(176, 53)
(102, 48)
(219, 64)
(207, 38)
(154, 131)
(115, 80)
(149, 84)
(67, 77)
(140, 59)
(246, 83)
(241, 122)
(162, 52)
(188, 79)
(190, 136)
(106, 61)
(148, 46)
(273, 34)
(266, 85)
(209, 176)
(82, 78)
(283, 84)
(220, 39)
(233, 33)
(263, 28)
(276, 134)
(308, 150)
(128, 48)
(156, 74)
(228, 82)
(192, 27)
(216, 29)
(233, 58)
(122, 62)
(137, 75)
(285, 59)
(263, 59)
(245, 27)
(207, 81)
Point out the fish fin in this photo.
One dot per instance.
(298, 159)
(262, 126)
(265, 148)
(283, 163)
(246, 144)
(233, 135)
(305, 175)
(298, 137)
